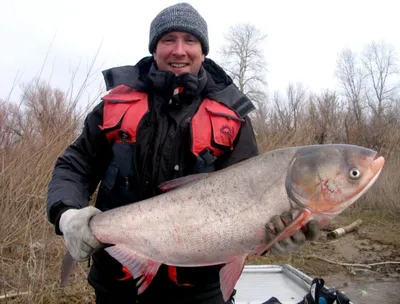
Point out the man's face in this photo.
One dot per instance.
(179, 53)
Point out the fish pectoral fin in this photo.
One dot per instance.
(230, 274)
(299, 221)
(181, 181)
(138, 265)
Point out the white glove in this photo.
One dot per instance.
(80, 241)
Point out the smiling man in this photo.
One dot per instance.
(173, 114)
(179, 52)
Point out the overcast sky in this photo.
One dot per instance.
(303, 36)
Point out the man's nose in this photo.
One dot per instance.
(179, 49)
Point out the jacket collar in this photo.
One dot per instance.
(166, 83)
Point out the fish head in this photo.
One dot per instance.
(327, 179)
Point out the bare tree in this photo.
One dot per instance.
(10, 131)
(381, 66)
(243, 59)
(282, 112)
(352, 79)
(296, 95)
(289, 110)
(328, 122)
(48, 111)
(380, 63)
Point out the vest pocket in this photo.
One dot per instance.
(225, 127)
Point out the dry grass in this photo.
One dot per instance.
(33, 134)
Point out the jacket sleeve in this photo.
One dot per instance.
(245, 146)
(79, 169)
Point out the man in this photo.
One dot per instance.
(154, 125)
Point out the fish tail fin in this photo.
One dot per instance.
(299, 221)
(67, 268)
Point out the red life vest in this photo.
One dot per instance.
(213, 121)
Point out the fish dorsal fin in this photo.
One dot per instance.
(181, 181)
(138, 265)
(230, 274)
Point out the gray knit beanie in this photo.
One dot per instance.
(179, 17)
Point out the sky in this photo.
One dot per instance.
(57, 39)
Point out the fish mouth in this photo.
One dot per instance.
(376, 169)
(377, 165)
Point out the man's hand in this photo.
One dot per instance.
(80, 241)
(291, 244)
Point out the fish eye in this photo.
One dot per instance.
(354, 173)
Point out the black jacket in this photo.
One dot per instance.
(130, 172)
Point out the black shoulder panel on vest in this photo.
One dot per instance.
(234, 99)
(119, 75)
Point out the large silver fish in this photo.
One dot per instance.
(220, 218)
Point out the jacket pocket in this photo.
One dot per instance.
(110, 177)
(119, 184)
